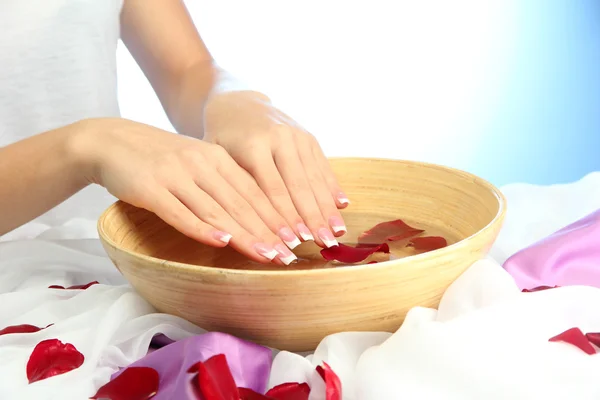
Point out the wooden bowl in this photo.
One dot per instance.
(295, 308)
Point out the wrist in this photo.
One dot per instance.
(240, 95)
(226, 83)
(244, 104)
(83, 148)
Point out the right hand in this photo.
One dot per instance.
(192, 185)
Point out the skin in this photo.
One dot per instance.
(244, 174)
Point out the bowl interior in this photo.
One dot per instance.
(443, 201)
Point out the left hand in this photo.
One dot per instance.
(286, 162)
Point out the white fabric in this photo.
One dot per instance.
(536, 211)
(487, 341)
(110, 325)
(57, 66)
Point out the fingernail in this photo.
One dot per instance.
(337, 225)
(285, 255)
(327, 237)
(222, 236)
(289, 238)
(342, 198)
(305, 233)
(267, 252)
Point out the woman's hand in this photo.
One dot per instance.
(285, 160)
(192, 185)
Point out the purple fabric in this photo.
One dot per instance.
(160, 341)
(570, 256)
(250, 363)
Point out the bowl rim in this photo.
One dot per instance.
(164, 264)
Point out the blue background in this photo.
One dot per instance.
(545, 127)
(506, 89)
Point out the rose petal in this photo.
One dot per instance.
(594, 338)
(538, 288)
(428, 243)
(249, 394)
(194, 368)
(349, 254)
(214, 379)
(134, 383)
(52, 357)
(290, 391)
(575, 337)
(405, 235)
(25, 328)
(285, 391)
(388, 231)
(372, 262)
(333, 385)
(367, 245)
(82, 287)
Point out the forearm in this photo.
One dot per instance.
(162, 37)
(37, 174)
(187, 99)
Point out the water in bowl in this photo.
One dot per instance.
(189, 252)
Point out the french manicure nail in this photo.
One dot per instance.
(222, 236)
(305, 233)
(289, 238)
(342, 198)
(285, 255)
(327, 237)
(337, 225)
(267, 252)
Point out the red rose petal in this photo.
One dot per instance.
(575, 337)
(366, 245)
(594, 338)
(52, 357)
(333, 385)
(538, 288)
(134, 383)
(289, 391)
(285, 391)
(405, 235)
(194, 368)
(215, 382)
(428, 243)
(249, 394)
(388, 231)
(25, 328)
(349, 254)
(214, 379)
(82, 287)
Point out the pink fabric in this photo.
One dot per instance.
(570, 256)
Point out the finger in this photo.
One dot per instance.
(245, 215)
(205, 208)
(247, 187)
(292, 172)
(324, 167)
(168, 208)
(319, 186)
(237, 207)
(234, 204)
(265, 172)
